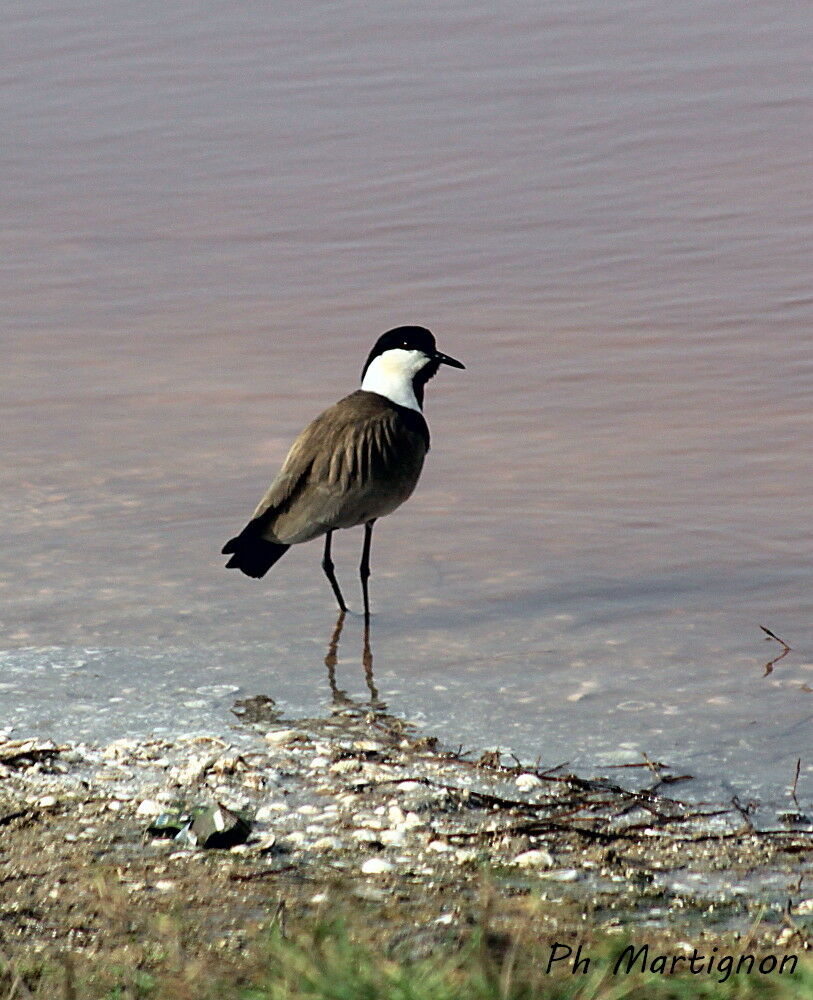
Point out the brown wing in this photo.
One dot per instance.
(358, 460)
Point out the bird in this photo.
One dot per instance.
(357, 461)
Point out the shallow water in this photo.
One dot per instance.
(603, 210)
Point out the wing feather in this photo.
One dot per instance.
(357, 460)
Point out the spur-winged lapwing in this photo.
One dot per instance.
(354, 463)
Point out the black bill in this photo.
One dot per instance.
(444, 359)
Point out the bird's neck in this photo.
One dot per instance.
(388, 377)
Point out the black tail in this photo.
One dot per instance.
(253, 555)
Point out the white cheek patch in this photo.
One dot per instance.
(391, 374)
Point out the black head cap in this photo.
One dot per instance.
(408, 338)
(411, 338)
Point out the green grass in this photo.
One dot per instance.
(329, 961)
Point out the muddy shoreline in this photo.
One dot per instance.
(362, 811)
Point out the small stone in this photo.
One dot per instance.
(270, 810)
(438, 846)
(538, 858)
(265, 842)
(319, 763)
(365, 836)
(412, 821)
(804, 907)
(47, 801)
(371, 822)
(393, 838)
(193, 769)
(525, 782)
(285, 737)
(307, 810)
(345, 766)
(228, 763)
(465, 855)
(120, 749)
(370, 893)
(327, 844)
(149, 807)
(214, 827)
(377, 866)
(563, 875)
(785, 935)
(164, 885)
(395, 814)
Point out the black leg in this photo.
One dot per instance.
(327, 566)
(364, 568)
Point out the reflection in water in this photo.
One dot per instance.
(785, 650)
(340, 697)
(331, 659)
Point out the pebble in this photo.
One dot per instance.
(327, 844)
(525, 782)
(371, 822)
(193, 770)
(164, 885)
(537, 858)
(345, 766)
(393, 838)
(804, 907)
(285, 737)
(46, 802)
(365, 836)
(785, 935)
(377, 866)
(264, 842)
(412, 821)
(270, 810)
(319, 763)
(120, 749)
(563, 875)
